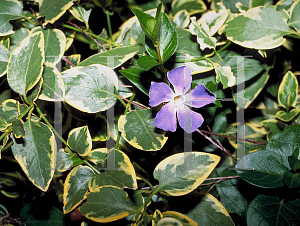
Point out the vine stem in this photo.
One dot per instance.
(134, 103)
(87, 35)
(69, 62)
(109, 28)
(63, 140)
(206, 56)
(233, 138)
(217, 145)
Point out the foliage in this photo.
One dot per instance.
(78, 142)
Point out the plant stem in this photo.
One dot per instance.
(125, 112)
(64, 142)
(109, 28)
(87, 35)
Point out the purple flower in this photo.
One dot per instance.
(179, 102)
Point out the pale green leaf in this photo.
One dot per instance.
(80, 140)
(32, 149)
(90, 89)
(288, 90)
(4, 56)
(81, 14)
(112, 58)
(106, 204)
(182, 19)
(9, 110)
(53, 88)
(122, 175)
(202, 33)
(97, 155)
(295, 16)
(258, 28)
(191, 6)
(10, 10)
(287, 116)
(76, 187)
(214, 20)
(206, 210)
(55, 44)
(138, 130)
(53, 10)
(181, 173)
(225, 76)
(25, 64)
(64, 161)
(17, 37)
(184, 220)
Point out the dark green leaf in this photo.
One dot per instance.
(269, 210)
(147, 62)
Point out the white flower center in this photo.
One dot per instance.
(178, 100)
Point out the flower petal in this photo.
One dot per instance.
(189, 120)
(166, 118)
(199, 97)
(160, 92)
(181, 79)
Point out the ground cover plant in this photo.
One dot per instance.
(149, 112)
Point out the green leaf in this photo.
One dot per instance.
(106, 204)
(17, 37)
(64, 161)
(202, 33)
(183, 220)
(258, 28)
(90, 89)
(295, 16)
(252, 66)
(9, 110)
(214, 20)
(292, 180)
(18, 128)
(206, 210)
(140, 78)
(76, 187)
(102, 3)
(97, 155)
(81, 14)
(147, 62)
(168, 40)
(55, 44)
(54, 217)
(53, 10)
(147, 22)
(33, 94)
(80, 140)
(182, 19)
(262, 168)
(53, 88)
(294, 160)
(3, 124)
(284, 4)
(269, 210)
(4, 56)
(288, 89)
(284, 143)
(29, 152)
(4, 142)
(225, 76)
(230, 196)
(75, 59)
(191, 6)
(287, 116)
(112, 58)
(254, 87)
(25, 64)
(136, 202)
(122, 176)
(181, 173)
(137, 129)
(10, 10)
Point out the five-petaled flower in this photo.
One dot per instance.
(179, 102)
